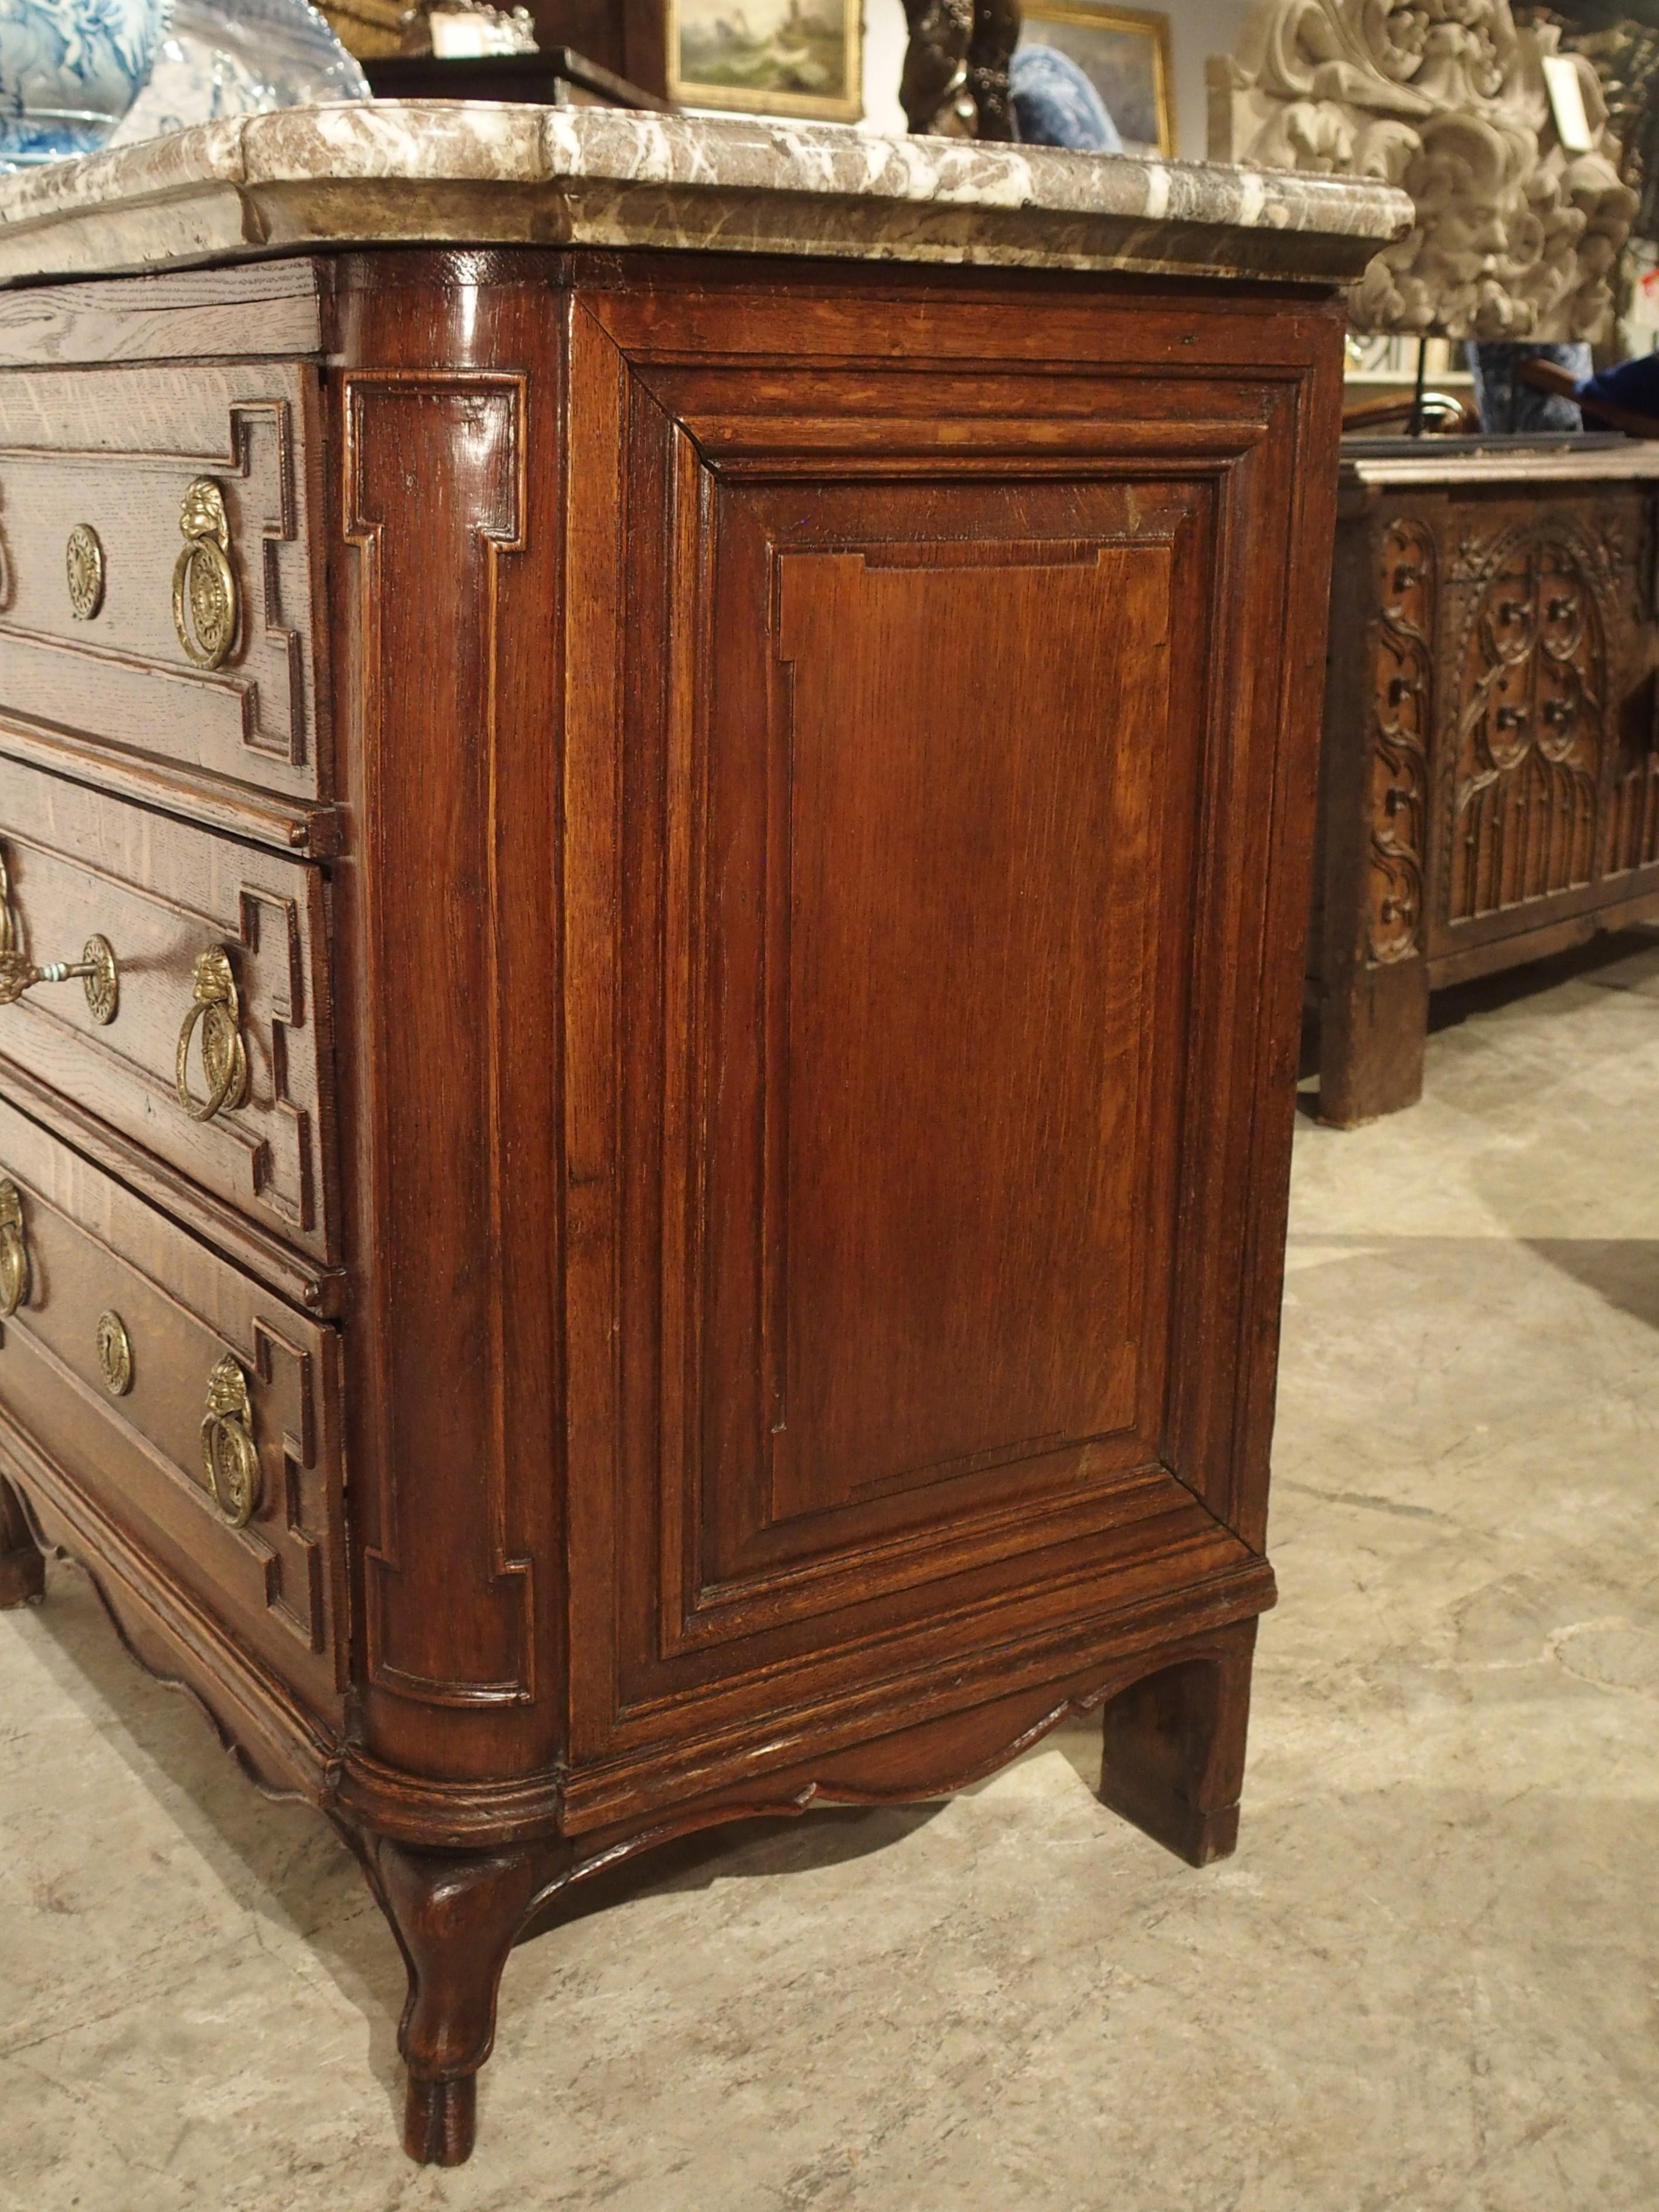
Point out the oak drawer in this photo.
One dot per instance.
(116, 453)
(171, 901)
(107, 1365)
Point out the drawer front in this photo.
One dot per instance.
(168, 899)
(89, 638)
(128, 1337)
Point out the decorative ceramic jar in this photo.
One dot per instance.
(70, 70)
(235, 57)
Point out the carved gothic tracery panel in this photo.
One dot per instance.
(1531, 729)
(1516, 234)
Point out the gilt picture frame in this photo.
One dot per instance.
(1124, 54)
(768, 57)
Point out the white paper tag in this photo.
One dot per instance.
(1566, 91)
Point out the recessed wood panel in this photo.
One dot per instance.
(938, 783)
(952, 1138)
(928, 841)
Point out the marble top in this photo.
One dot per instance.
(1463, 462)
(458, 173)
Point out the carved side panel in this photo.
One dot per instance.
(448, 1596)
(1403, 681)
(1531, 728)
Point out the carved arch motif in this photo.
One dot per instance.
(1531, 731)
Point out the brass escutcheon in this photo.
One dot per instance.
(114, 1353)
(206, 606)
(216, 1009)
(97, 970)
(14, 1249)
(230, 1457)
(83, 563)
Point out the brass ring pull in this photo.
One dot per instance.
(216, 1010)
(230, 1457)
(206, 604)
(14, 1249)
(96, 968)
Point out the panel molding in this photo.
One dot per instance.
(263, 706)
(699, 433)
(439, 883)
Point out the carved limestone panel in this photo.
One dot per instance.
(1516, 232)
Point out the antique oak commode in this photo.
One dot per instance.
(656, 844)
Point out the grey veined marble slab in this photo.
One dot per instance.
(442, 172)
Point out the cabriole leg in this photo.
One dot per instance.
(1174, 1750)
(455, 1915)
(22, 1569)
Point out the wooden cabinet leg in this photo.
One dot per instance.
(1373, 1034)
(456, 1915)
(22, 1569)
(1174, 1750)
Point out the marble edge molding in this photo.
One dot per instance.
(456, 171)
(1636, 457)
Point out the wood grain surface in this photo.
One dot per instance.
(93, 1248)
(162, 893)
(115, 450)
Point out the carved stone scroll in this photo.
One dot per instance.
(1516, 233)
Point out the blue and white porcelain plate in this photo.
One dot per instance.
(237, 57)
(70, 70)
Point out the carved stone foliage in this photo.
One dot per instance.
(1531, 729)
(1403, 676)
(1517, 235)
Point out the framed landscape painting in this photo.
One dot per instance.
(1124, 54)
(773, 57)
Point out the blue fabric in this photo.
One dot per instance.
(1633, 384)
(1509, 407)
(1055, 104)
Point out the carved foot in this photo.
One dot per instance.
(456, 1915)
(22, 1569)
(1174, 1751)
(440, 2120)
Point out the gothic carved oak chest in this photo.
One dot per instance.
(1490, 781)
(655, 848)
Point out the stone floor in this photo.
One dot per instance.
(1428, 1980)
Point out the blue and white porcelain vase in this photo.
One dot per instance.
(70, 70)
